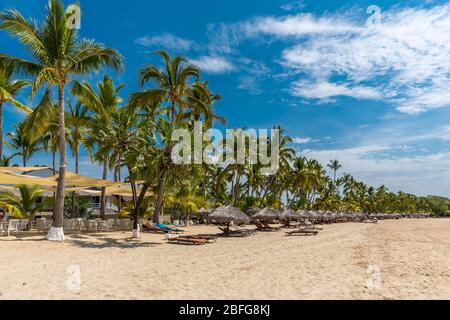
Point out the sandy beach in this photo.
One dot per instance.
(342, 262)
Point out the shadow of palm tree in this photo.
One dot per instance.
(104, 243)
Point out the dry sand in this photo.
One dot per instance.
(413, 257)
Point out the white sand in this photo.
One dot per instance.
(413, 257)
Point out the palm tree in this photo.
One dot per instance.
(58, 55)
(335, 166)
(23, 144)
(173, 88)
(9, 89)
(103, 104)
(42, 123)
(6, 161)
(77, 120)
(26, 204)
(286, 155)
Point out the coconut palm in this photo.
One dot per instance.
(103, 104)
(22, 143)
(335, 166)
(58, 55)
(25, 205)
(172, 89)
(9, 89)
(77, 120)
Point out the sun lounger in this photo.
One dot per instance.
(152, 229)
(236, 232)
(165, 227)
(188, 241)
(207, 237)
(302, 232)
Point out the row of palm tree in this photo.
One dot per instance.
(134, 135)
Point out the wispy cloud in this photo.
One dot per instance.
(404, 61)
(168, 41)
(323, 90)
(300, 140)
(293, 5)
(213, 64)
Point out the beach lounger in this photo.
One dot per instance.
(165, 227)
(159, 228)
(188, 241)
(303, 232)
(152, 229)
(236, 232)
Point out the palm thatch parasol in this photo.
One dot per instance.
(253, 211)
(267, 215)
(291, 215)
(226, 215)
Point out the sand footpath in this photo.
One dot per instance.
(407, 259)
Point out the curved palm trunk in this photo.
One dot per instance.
(1, 131)
(137, 210)
(56, 233)
(103, 196)
(160, 197)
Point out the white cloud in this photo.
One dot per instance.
(294, 5)
(300, 140)
(167, 41)
(323, 90)
(405, 60)
(213, 64)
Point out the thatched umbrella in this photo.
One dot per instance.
(253, 211)
(267, 215)
(291, 215)
(227, 215)
(203, 214)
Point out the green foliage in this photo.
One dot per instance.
(82, 205)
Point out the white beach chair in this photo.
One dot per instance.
(13, 226)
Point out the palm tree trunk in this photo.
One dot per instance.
(24, 161)
(53, 162)
(1, 131)
(160, 196)
(56, 233)
(137, 209)
(74, 214)
(103, 196)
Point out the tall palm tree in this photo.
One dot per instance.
(58, 55)
(23, 144)
(103, 104)
(172, 87)
(9, 89)
(335, 166)
(286, 155)
(77, 120)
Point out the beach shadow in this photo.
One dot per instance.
(105, 243)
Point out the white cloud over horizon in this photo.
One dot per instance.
(421, 174)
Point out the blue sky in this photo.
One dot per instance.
(376, 98)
